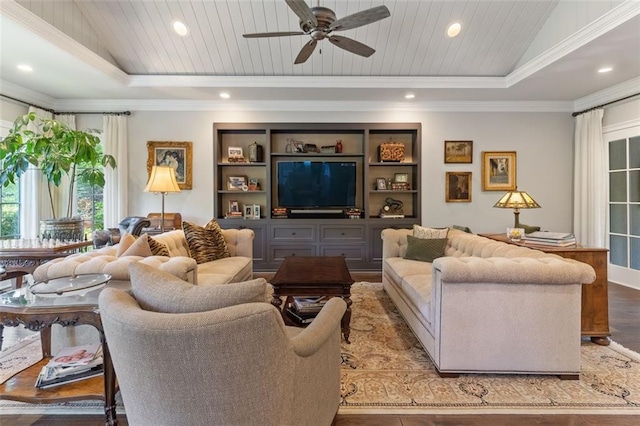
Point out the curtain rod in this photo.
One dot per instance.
(575, 114)
(64, 112)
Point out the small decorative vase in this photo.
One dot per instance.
(515, 234)
(339, 146)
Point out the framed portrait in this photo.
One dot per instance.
(256, 211)
(237, 183)
(248, 211)
(298, 147)
(178, 155)
(401, 177)
(498, 170)
(458, 187)
(234, 207)
(381, 184)
(458, 152)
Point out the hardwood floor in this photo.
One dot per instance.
(624, 318)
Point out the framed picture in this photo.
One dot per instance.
(401, 177)
(381, 184)
(237, 183)
(458, 152)
(256, 211)
(298, 146)
(458, 187)
(498, 170)
(234, 153)
(248, 211)
(174, 154)
(234, 207)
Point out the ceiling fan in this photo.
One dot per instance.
(319, 22)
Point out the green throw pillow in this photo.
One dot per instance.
(425, 250)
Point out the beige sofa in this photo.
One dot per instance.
(488, 306)
(238, 267)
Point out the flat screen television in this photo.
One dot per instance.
(316, 184)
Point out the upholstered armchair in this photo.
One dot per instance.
(131, 224)
(234, 365)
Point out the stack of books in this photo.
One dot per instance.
(550, 239)
(71, 365)
(304, 309)
(231, 215)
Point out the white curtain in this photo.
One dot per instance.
(590, 199)
(115, 190)
(33, 195)
(61, 193)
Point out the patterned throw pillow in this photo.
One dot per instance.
(158, 248)
(424, 232)
(206, 243)
(425, 249)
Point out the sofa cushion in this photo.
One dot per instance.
(162, 292)
(126, 241)
(424, 232)
(227, 270)
(399, 268)
(206, 243)
(140, 247)
(425, 249)
(157, 248)
(417, 288)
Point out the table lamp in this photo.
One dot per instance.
(162, 180)
(517, 200)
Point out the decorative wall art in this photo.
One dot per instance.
(174, 154)
(458, 152)
(498, 170)
(458, 187)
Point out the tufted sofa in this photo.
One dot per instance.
(488, 306)
(238, 267)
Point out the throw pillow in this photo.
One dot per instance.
(424, 232)
(206, 243)
(158, 248)
(425, 249)
(139, 248)
(160, 291)
(126, 241)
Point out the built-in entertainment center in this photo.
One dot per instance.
(316, 189)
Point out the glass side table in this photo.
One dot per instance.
(36, 313)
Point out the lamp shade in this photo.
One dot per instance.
(162, 179)
(517, 200)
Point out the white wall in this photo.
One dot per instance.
(543, 142)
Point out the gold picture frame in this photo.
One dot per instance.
(499, 170)
(178, 155)
(458, 187)
(458, 152)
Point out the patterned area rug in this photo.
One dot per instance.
(19, 356)
(386, 370)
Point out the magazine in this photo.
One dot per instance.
(76, 355)
(70, 365)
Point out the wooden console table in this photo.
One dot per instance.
(595, 297)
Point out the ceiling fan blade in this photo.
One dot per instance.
(306, 51)
(351, 45)
(303, 11)
(280, 34)
(361, 18)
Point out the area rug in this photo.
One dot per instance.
(385, 370)
(21, 355)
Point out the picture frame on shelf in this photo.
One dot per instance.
(401, 178)
(248, 211)
(458, 152)
(499, 170)
(381, 184)
(256, 211)
(297, 147)
(237, 183)
(178, 155)
(234, 206)
(235, 155)
(458, 187)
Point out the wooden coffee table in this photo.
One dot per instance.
(313, 276)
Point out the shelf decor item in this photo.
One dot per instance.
(498, 171)
(515, 234)
(458, 187)
(237, 183)
(391, 151)
(235, 155)
(517, 200)
(177, 155)
(458, 152)
(256, 153)
(381, 184)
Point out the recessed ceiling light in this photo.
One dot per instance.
(409, 96)
(25, 68)
(454, 29)
(180, 28)
(605, 69)
(225, 95)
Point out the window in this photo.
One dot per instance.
(9, 200)
(89, 202)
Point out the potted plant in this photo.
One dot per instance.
(57, 150)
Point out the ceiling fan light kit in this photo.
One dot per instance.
(319, 22)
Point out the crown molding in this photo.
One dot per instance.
(609, 94)
(595, 29)
(621, 126)
(48, 32)
(26, 95)
(312, 106)
(339, 82)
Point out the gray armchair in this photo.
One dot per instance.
(237, 365)
(131, 224)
